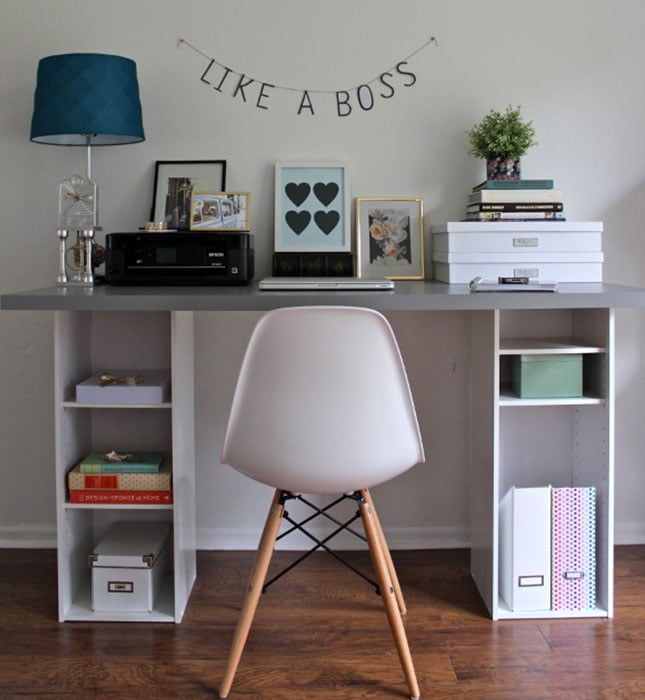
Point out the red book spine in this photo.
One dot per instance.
(121, 497)
(101, 481)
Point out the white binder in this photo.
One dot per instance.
(525, 548)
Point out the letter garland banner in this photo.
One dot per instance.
(362, 97)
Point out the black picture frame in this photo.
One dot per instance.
(175, 181)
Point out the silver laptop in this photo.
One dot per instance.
(324, 283)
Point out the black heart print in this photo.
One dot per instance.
(326, 193)
(297, 193)
(298, 220)
(326, 220)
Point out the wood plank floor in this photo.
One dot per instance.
(320, 634)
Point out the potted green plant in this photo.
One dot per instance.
(502, 138)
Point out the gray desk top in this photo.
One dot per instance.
(410, 296)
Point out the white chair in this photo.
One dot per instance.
(323, 406)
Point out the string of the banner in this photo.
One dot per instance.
(431, 40)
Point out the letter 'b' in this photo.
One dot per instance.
(342, 103)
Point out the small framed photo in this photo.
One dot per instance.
(175, 181)
(389, 237)
(312, 208)
(220, 211)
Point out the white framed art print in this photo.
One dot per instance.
(312, 208)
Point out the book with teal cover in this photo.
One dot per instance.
(141, 462)
(514, 185)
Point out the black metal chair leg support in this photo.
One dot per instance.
(325, 514)
(321, 544)
(313, 516)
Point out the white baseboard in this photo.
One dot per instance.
(629, 533)
(43, 536)
(32, 536)
(208, 538)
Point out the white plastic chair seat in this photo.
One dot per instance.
(322, 403)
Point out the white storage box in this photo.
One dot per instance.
(515, 258)
(457, 239)
(561, 251)
(525, 548)
(129, 566)
(128, 387)
(513, 242)
(463, 272)
(518, 227)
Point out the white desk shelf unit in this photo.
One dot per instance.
(539, 442)
(87, 342)
(520, 442)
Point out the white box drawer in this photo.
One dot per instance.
(463, 273)
(153, 387)
(129, 566)
(517, 242)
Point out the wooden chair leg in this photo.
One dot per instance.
(388, 596)
(253, 591)
(388, 557)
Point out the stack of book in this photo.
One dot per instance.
(515, 200)
(142, 478)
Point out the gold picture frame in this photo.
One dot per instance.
(389, 237)
(220, 211)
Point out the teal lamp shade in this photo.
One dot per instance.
(85, 99)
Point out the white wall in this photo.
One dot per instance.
(575, 67)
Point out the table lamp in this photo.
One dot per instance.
(84, 99)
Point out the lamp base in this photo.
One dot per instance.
(75, 267)
(74, 283)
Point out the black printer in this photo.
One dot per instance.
(181, 257)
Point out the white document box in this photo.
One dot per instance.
(130, 387)
(574, 548)
(525, 548)
(464, 272)
(563, 251)
(518, 243)
(129, 566)
(517, 237)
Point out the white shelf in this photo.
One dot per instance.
(80, 609)
(505, 614)
(129, 406)
(118, 506)
(84, 340)
(508, 398)
(547, 346)
(538, 442)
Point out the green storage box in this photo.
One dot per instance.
(547, 376)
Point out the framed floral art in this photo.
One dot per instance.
(389, 237)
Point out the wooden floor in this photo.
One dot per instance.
(320, 634)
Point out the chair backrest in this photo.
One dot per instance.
(322, 403)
